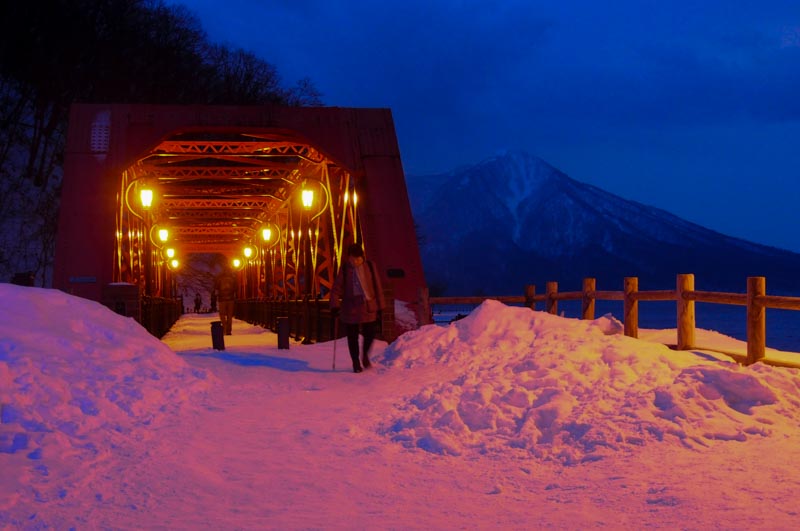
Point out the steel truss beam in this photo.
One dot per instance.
(218, 204)
(190, 230)
(166, 173)
(240, 148)
(187, 216)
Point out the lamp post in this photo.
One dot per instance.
(173, 264)
(146, 198)
(249, 253)
(163, 272)
(266, 236)
(308, 202)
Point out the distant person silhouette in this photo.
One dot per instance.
(225, 286)
(198, 301)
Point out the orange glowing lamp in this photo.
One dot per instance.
(308, 198)
(146, 197)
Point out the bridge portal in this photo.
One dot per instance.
(281, 190)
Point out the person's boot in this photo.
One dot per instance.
(356, 365)
(365, 362)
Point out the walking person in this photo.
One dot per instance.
(358, 285)
(198, 301)
(226, 286)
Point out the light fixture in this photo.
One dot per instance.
(237, 263)
(146, 196)
(248, 252)
(315, 198)
(270, 234)
(170, 252)
(174, 263)
(163, 234)
(308, 198)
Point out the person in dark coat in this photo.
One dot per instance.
(226, 287)
(198, 301)
(358, 285)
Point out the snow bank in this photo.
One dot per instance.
(574, 391)
(120, 383)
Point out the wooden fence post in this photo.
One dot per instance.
(587, 307)
(551, 304)
(631, 307)
(424, 307)
(686, 317)
(530, 296)
(756, 319)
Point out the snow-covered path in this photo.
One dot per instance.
(309, 455)
(506, 419)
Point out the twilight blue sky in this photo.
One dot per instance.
(690, 106)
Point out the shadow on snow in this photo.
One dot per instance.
(260, 360)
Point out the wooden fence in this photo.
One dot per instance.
(756, 300)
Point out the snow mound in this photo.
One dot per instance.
(405, 318)
(575, 391)
(121, 383)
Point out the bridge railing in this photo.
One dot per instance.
(310, 319)
(155, 314)
(755, 299)
(159, 314)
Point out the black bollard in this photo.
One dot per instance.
(217, 335)
(283, 332)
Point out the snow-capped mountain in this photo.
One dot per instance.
(514, 220)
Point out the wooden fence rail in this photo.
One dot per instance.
(756, 300)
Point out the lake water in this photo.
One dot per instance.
(783, 326)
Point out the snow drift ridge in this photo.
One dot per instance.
(513, 386)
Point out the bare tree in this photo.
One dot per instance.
(56, 52)
(304, 94)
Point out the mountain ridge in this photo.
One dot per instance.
(513, 219)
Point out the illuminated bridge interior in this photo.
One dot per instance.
(279, 210)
